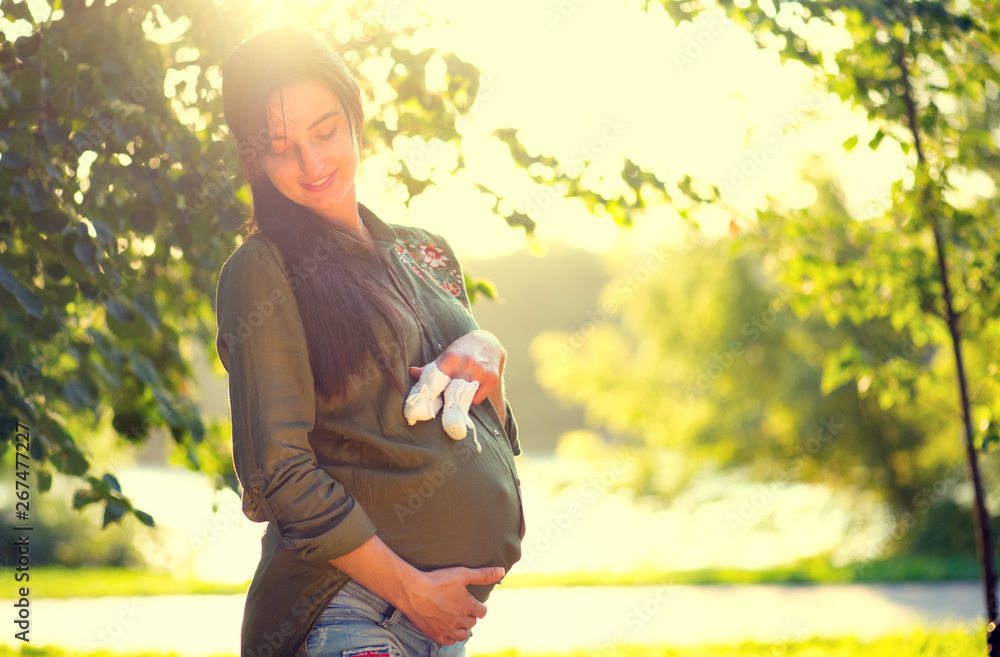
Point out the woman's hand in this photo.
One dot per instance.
(476, 356)
(437, 601)
(440, 605)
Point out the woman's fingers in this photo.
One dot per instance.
(476, 356)
(444, 609)
(482, 576)
(455, 637)
(485, 389)
(467, 369)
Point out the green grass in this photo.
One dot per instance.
(815, 570)
(59, 582)
(917, 644)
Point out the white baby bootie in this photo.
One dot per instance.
(457, 402)
(424, 400)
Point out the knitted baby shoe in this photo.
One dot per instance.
(424, 400)
(457, 402)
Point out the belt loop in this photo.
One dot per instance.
(397, 617)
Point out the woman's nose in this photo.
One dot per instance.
(311, 162)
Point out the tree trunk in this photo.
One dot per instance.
(981, 517)
(984, 532)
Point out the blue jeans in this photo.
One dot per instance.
(358, 623)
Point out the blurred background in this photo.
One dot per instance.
(733, 250)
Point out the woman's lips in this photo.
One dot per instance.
(322, 184)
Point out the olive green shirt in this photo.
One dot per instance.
(327, 475)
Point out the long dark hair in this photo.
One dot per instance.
(336, 300)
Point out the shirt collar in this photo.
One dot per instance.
(383, 234)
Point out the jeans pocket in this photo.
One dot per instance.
(350, 628)
(325, 646)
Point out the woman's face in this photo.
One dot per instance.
(313, 156)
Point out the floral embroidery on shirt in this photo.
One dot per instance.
(430, 259)
(433, 256)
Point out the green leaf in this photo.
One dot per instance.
(991, 437)
(44, 480)
(144, 518)
(55, 133)
(31, 303)
(196, 428)
(876, 140)
(50, 221)
(517, 219)
(112, 482)
(14, 11)
(146, 307)
(14, 161)
(104, 233)
(850, 143)
(113, 512)
(28, 83)
(144, 369)
(476, 286)
(70, 460)
(84, 497)
(120, 311)
(131, 424)
(77, 394)
(85, 251)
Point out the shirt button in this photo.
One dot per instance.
(496, 431)
(440, 346)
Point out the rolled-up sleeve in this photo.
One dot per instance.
(262, 345)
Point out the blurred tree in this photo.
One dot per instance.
(706, 359)
(62, 536)
(926, 73)
(923, 258)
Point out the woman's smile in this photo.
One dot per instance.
(322, 183)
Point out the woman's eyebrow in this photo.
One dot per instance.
(326, 116)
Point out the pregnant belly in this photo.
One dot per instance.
(463, 508)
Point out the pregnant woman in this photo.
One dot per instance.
(385, 534)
